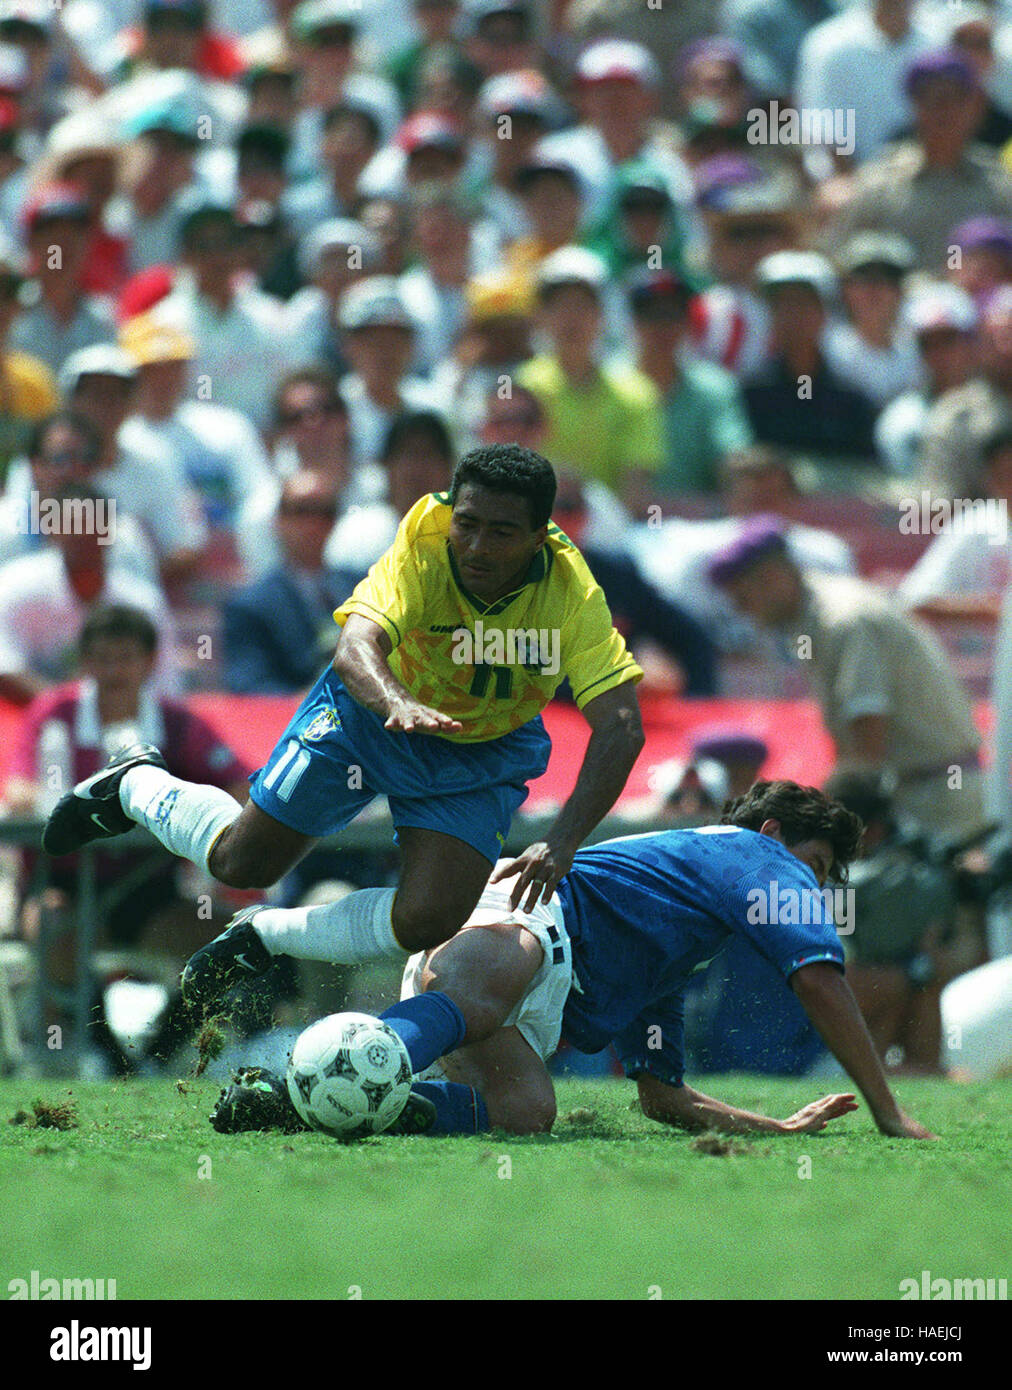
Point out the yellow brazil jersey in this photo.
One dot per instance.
(491, 666)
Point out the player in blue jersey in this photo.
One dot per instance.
(607, 959)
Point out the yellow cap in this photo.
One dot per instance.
(500, 294)
(148, 341)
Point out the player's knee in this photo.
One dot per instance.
(523, 1111)
(421, 928)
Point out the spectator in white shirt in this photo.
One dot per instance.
(242, 336)
(99, 382)
(874, 350)
(330, 258)
(45, 598)
(966, 569)
(857, 62)
(221, 456)
(943, 320)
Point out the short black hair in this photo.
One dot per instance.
(266, 143)
(122, 623)
(510, 468)
(313, 375)
(350, 110)
(411, 423)
(804, 813)
(65, 419)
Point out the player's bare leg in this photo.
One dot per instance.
(512, 1078)
(256, 850)
(440, 882)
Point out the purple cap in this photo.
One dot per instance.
(983, 232)
(714, 176)
(713, 50)
(758, 538)
(728, 744)
(944, 62)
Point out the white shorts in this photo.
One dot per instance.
(538, 1015)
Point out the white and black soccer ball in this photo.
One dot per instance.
(349, 1075)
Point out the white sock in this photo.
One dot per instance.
(186, 817)
(355, 928)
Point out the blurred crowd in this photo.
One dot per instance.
(741, 270)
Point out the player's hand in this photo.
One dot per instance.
(539, 870)
(407, 717)
(903, 1127)
(811, 1118)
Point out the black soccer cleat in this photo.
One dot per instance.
(92, 810)
(255, 1099)
(236, 955)
(417, 1117)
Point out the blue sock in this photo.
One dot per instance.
(459, 1109)
(429, 1025)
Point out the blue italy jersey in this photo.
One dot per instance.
(646, 911)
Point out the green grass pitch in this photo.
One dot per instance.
(609, 1206)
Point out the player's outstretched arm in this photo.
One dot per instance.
(361, 662)
(685, 1108)
(830, 1004)
(616, 740)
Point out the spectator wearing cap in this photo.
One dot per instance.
(84, 150)
(771, 33)
(857, 61)
(46, 596)
(740, 754)
(219, 453)
(888, 695)
(551, 195)
(323, 35)
(160, 173)
(418, 457)
(429, 147)
(350, 137)
(874, 351)
(920, 188)
(496, 339)
(30, 27)
(984, 260)
(617, 86)
(63, 447)
(704, 413)
(330, 258)
(960, 420)
(515, 112)
(748, 213)
(176, 35)
(379, 339)
(644, 227)
(500, 35)
(59, 316)
(435, 24)
(309, 434)
(713, 78)
(604, 419)
(449, 83)
(943, 321)
(966, 569)
(271, 85)
(27, 386)
(797, 400)
(451, 245)
(277, 630)
(146, 480)
(241, 333)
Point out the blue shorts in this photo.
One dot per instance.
(335, 757)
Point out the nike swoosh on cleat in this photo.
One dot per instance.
(99, 822)
(241, 960)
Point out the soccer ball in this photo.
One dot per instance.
(349, 1075)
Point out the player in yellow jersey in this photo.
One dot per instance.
(449, 650)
